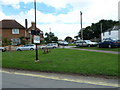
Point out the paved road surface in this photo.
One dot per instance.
(22, 79)
(113, 52)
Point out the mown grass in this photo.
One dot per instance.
(63, 60)
(71, 44)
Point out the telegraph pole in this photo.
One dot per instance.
(101, 31)
(81, 25)
(36, 60)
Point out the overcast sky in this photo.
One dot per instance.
(62, 16)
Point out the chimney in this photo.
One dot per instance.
(33, 24)
(26, 24)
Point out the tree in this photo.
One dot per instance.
(23, 40)
(50, 37)
(76, 37)
(94, 31)
(6, 42)
(68, 39)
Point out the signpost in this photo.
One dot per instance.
(36, 39)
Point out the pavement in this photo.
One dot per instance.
(64, 77)
(103, 51)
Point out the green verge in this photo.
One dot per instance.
(63, 61)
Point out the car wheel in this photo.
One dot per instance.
(88, 45)
(2, 50)
(18, 50)
(98, 46)
(78, 45)
(109, 46)
(31, 49)
(54, 47)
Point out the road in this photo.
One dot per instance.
(24, 79)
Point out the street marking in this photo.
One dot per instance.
(64, 79)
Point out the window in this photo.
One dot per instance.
(15, 41)
(15, 31)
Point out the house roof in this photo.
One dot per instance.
(33, 27)
(117, 27)
(10, 24)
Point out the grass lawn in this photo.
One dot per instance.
(96, 48)
(71, 44)
(63, 60)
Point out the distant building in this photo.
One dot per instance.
(112, 33)
(29, 33)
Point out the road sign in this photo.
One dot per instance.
(36, 39)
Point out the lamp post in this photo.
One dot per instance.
(81, 25)
(36, 60)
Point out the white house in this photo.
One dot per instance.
(112, 33)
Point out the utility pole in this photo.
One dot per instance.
(36, 60)
(50, 29)
(81, 25)
(101, 31)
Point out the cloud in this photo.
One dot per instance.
(65, 24)
(3, 16)
(61, 30)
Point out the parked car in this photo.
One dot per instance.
(108, 39)
(87, 43)
(63, 43)
(49, 46)
(90, 43)
(26, 47)
(109, 44)
(3, 49)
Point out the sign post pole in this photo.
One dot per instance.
(36, 33)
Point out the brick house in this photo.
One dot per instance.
(29, 31)
(12, 30)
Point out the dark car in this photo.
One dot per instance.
(109, 44)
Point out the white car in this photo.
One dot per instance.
(85, 43)
(90, 43)
(27, 47)
(3, 49)
(64, 43)
(50, 46)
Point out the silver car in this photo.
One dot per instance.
(3, 49)
(49, 46)
(26, 47)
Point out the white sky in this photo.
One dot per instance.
(93, 11)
